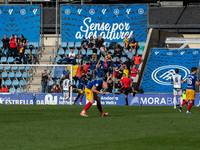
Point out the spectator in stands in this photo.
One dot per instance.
(91, 42)
(119, 72)
(137, 60)
(13, 45)
(125, 70)
(94, 55)
(129, 54)
(134, 72)
(107, 56)
(1, 83)
(132, 42)
(103, 50)
(49, 79)
(84, 43)
(128, 63)
(65, 72)
(93, 64)
(110, 85)
(71, 57)
(126, 42)
(79, 57)
(118, 62)
(44, 81)
(21, 48)
(56, 90)
(99, 70)
(53, 87)
(82, 72)
(30, 58)
(105, 65)
(99, 42)
(118, 87)
(22, 39)
(5, 49)
(17, 43)
(117, 51)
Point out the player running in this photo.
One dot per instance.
(91, 91)
(82, 82)
(176, 80)
(66, 89)
(190, 91)
(127, 87)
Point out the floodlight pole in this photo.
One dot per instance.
(114, 86)
(81, 2)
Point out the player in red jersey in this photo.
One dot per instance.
(127, 87)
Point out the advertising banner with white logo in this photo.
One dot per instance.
(161, 66)
(108, 99)
(20, 19)
(8, 98)
(52, 99)
(112, 22)
(25, 98)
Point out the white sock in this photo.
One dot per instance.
(174, 101)
(181, 101)
(83, 111)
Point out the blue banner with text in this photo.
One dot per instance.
(112, 22)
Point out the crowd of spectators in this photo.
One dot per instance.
(15, 47)
(106, 65)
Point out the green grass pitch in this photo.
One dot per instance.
(32, 127)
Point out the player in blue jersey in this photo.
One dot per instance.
(82, 82)
(91, 91)
(190, 91)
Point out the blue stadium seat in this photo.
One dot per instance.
(77, 44)
(11, 75)
(10, 60)
(30, 45)
(83, 52)
(4, 75)
(18, 75)
(57, 82)
(50, 83)
(75, 51)
(121, 44)
(3, 60)
(141, 43)
(123, 59)
(1, 67)
(7, 68)
(28, 68)
(89, 52)
(67, 52)
(114, 59)
(1, 44)
(36, 44)
(14, 68)
(21, 68)
(25, 75)
(27, 51)
(16, 60)
(57, 59)
(12, 90)
(70, 45)
(35, 51)
(15, 83)
(8, 83)
(21, 82)
(2, 82)
(112, 51)
(98, 52)
(107, 44)
(64, 44)
(126, 50)
(140, 52)
(19, 90)
(61, 52)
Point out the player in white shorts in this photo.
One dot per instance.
(66, 89)
(176, 80)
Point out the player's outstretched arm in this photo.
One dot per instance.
(197, 83)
